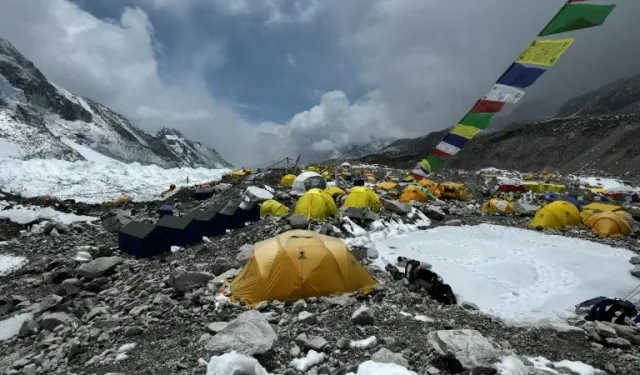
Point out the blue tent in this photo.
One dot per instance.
(208, 221)
(233, 217)
(179, 231)
(203, 194)
(165, 210)
(141, 239)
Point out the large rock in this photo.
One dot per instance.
(49, 322)
(250, 334)
(635, 271)
(115, 220)
(298, 221)
(48, 303)
(99, 267)
(468, 346)
(362, 316)
(397, 207)
(625, 332)
(244, 253)
(359, 213)
(185, 281)
(256, 194)
(385, 355)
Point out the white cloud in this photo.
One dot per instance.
(424, 63)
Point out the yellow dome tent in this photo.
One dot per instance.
(316, 204)
(413, 193)
(334, 190)
(363, 197)
(311, 168)
(609, 224)
(498, 206)
(595, 207)
(273, 208)
(454, 190)
(287, 180)
(556, 215)
(299, 264)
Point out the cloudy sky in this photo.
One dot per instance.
(263, 79)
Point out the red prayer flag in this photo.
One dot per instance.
(487, 106)
(439, 153)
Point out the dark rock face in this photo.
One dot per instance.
(594, 131)
(32, 103)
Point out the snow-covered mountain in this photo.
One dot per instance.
(39, 119)
(350, 151)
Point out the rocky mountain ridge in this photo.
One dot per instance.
(39, 119)
(595, 131)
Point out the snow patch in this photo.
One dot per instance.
(93, 182)
(234, 363)
(26, 214)
(11, 326)
(517, 275)
(303, 364)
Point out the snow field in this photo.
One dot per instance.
(515, 274)
(95, 182)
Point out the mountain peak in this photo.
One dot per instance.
(41, 120)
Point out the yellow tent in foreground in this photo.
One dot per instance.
(609, 224)
(498, 206)
(556, 215)
(287, 180)
(299, 264)
(363, 197)
(274, 208)
(316, 204)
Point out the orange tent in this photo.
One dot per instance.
(431, 185)
(413, 193)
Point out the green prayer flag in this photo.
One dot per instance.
(434, 162)
(577, 16)
(477, 120)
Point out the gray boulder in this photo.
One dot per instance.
(99, 267)
(474, 351)
(115, 220)
(362, 316)
(385, 355)
(244, 253)
(397, 207)
(184, 281)
(49, 322)
(249, 334)
(298, 221)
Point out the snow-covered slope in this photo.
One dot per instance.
(41, 120)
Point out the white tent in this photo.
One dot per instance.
(306, 181)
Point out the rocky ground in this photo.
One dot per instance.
(110, 313)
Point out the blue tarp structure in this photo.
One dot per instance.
(178, 231)
(203, 194)
(233, 215)
(165, 210)
(209, 222)
(141, 239)
(552, 197)
(599, 306)
(250, 211)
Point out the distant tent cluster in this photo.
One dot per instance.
(540, 55)
(148, 240)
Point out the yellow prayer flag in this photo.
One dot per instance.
(545, 52)
(465, 131)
